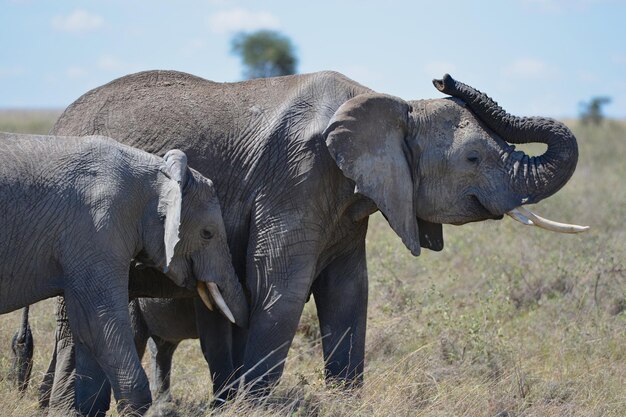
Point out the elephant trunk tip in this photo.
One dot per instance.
(445, 84)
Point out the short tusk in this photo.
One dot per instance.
(219, 300)
(549, 224)
(516, 215)
(204, 294)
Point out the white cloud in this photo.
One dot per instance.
(530, 68)
(239, 19)
(79, 21)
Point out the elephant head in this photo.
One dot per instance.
(449, 160)
(185, 237)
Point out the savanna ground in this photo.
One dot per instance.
(506, 321)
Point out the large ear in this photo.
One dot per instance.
(366, 138)
(171, 199)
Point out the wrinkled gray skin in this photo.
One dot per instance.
(299, 163)
(74, 211)
(94, 398)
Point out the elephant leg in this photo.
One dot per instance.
(138, 327)
(46, 382)
(61, 392)
(340, 294)
(161, 353)
(60, 388)
(92, 388)
(98, 316)
(271, 332)
(216, 341)
(281, 264)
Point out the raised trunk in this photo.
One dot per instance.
(532, 177)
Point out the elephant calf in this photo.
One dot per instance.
(75, 211)
(167, 321)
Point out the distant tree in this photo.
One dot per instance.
(265, 53)
(591, 112)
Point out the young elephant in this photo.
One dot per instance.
(75, 211)
(161, 324)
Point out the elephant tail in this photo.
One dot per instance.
(22, 346)
(138, 326)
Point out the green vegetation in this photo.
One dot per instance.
(591, 112)
(506, 321)
(265, 53)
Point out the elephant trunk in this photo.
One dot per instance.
(218, 286)
(534, 178)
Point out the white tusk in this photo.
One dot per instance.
(219, 300)
(516, 215)
(550, 224)
(204, 294)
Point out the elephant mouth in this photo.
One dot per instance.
(478, 212)
(529, 218)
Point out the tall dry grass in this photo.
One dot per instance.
(506, 321)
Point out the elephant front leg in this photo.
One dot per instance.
(272, 329)
(60, 389)
(57, 387)
(222, 353)
(340, 294)
(98, 316)
(280, 268)
(91, 387)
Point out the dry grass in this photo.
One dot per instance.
(506, 321)
(28, 121)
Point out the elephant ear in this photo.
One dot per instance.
(366, 138)
(171, 199)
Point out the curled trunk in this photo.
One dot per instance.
(532, 177)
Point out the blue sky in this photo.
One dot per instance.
(535, 57)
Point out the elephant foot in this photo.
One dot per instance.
(222, 397)
(166, 407)
(125, 409)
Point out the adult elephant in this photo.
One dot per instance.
(299, 163)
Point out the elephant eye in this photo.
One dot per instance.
(473, 158)
(206, 234)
